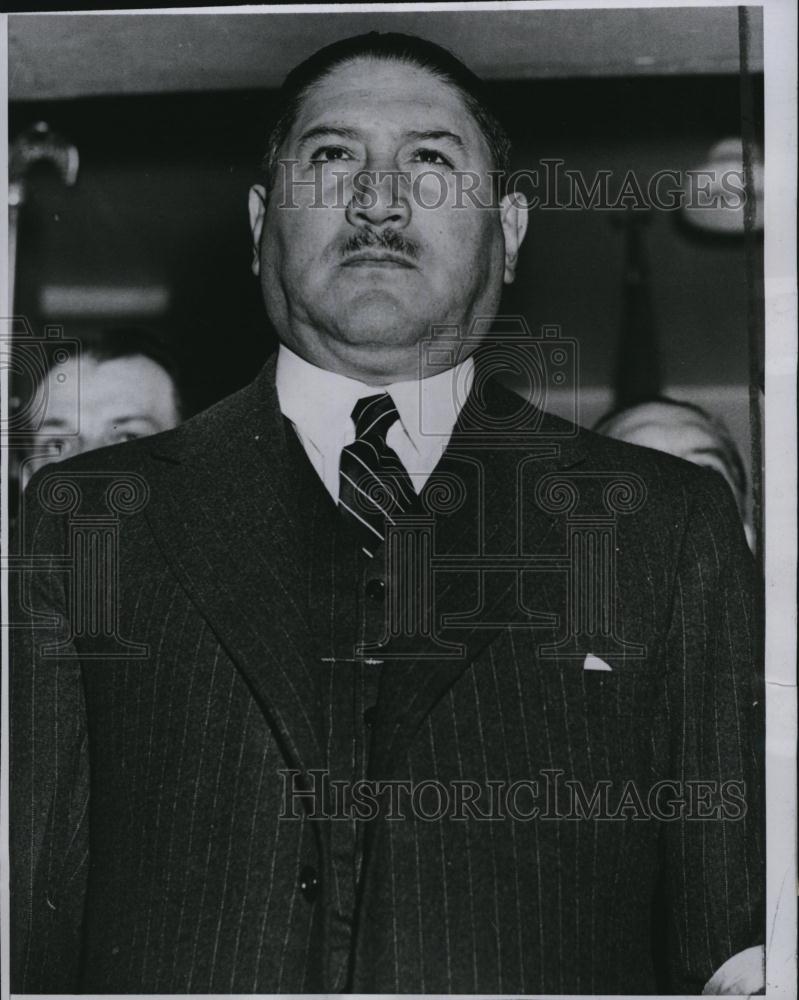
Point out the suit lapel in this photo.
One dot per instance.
(497, 519)
(223, 511)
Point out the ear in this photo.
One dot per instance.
(257, 210)
(513, 213)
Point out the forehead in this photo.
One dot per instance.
(134, 383)
(680, 430)
(387, 92)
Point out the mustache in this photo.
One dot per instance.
(384, 239)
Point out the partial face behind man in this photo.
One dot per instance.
(94, 402)
(366, 241)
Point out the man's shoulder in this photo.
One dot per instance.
(135, 467)
(672, 487)
(597, 453)
(669, 481)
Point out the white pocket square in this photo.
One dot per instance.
(594, 663)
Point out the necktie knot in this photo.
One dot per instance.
(374, 486)
(373, 417)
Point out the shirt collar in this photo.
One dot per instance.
(320, 402)
(429, 407)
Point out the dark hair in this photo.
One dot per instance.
(133, 341)
(393, 47)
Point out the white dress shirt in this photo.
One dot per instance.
(319, 405)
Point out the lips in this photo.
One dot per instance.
(376, 259)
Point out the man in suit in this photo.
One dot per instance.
(373, 677)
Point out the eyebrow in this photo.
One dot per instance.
(344, 132)
(58, 424)
(433, 135)
(133, 418)
(318, 131)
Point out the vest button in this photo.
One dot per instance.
(309, 883)
(376, 590)
(369, 715)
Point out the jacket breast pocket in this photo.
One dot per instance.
(604, 704)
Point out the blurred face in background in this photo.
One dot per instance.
(688, 434)
(92, 403)
(354, 279)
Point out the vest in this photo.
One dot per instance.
(346, 601)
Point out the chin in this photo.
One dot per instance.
(382, 323)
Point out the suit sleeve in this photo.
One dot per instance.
(713, 707)
(48, 772)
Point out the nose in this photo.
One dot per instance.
(379, 199)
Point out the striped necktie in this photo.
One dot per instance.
(374, 486)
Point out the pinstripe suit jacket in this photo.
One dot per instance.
(148, 849)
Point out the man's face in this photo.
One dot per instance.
(93, 403)
(358, 271)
